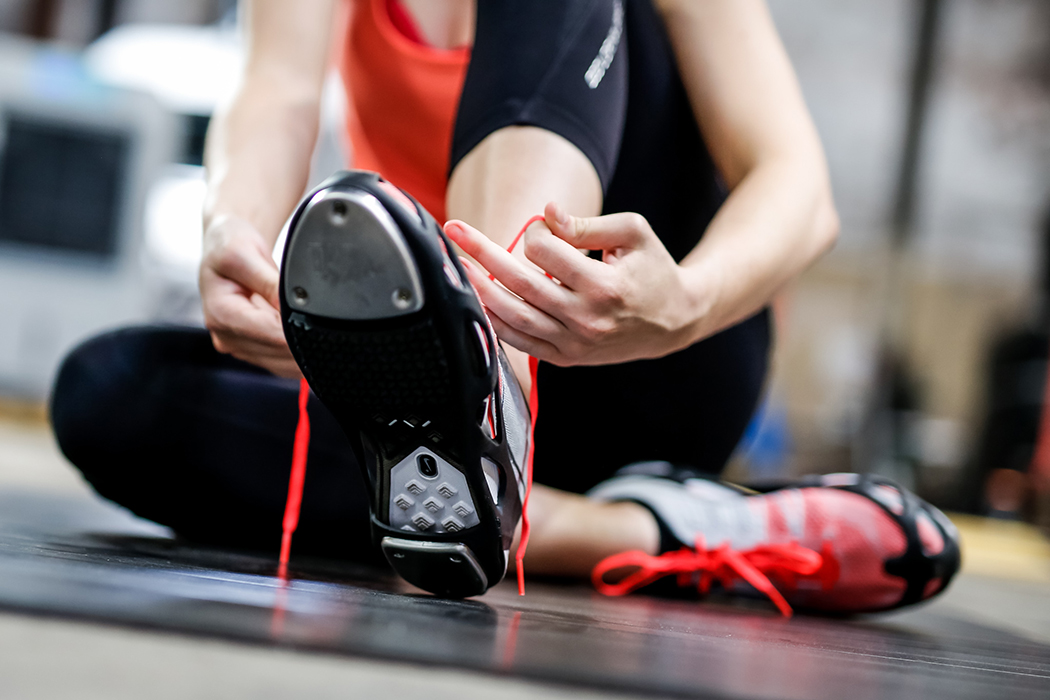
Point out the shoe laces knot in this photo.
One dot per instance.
(702, 567)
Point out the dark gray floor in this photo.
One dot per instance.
(83, 559)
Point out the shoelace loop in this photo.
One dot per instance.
(704, 566)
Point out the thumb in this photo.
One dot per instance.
(249, 266)
(622, 230)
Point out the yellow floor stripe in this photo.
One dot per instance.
(22, 411)
(1003, 549)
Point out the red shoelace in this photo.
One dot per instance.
(703, 566)
(301, 447)
(295, 484)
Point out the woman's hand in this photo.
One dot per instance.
(631, 304)
(239, 282)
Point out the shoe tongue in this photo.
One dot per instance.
(664, 470)
(707, 490)
(690, 508)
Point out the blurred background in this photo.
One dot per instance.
(916, 349)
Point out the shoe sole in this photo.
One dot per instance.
(395, 344)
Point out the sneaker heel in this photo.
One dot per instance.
(445, 568)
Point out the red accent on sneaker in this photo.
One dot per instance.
(295, 484)
(850, 538)
(776, 522)
(862, 538)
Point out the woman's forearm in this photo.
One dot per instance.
(777, 221)
(259, 146)
(258, 159)
(780, 216)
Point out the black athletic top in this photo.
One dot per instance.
(602, 74)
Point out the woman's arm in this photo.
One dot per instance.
(258, 157)
(778, 219)
(780, 216)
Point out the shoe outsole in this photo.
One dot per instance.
(396, 345)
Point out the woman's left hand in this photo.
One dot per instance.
(632, 304)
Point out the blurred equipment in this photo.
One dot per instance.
(76, 157)
(1010, 476)
(888, 442)
(998, 485)
(101, 184)
(189, 70)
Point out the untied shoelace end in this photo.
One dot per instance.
(293, 505)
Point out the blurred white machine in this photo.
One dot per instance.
(101, 185)
(76, 159)
(190, 71)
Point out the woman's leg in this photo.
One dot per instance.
(690, 408)
(571, 533)
(162, 424)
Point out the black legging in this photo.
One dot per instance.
(164, 425)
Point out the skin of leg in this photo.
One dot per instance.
(572, 533)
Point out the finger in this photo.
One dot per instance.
(253, 318)
(522, 279)
(252, 268)
(232, 344)
(516, 312)
(540, 349)
(609, 232)
(566, 263)
(285, 368)
(237, 345)
(256, 351)
(281, 364)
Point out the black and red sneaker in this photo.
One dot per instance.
(394, 342)
(840, 543)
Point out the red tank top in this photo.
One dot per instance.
(402, 101)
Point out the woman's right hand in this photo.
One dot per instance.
(239, 283)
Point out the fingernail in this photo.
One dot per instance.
(452, 228)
